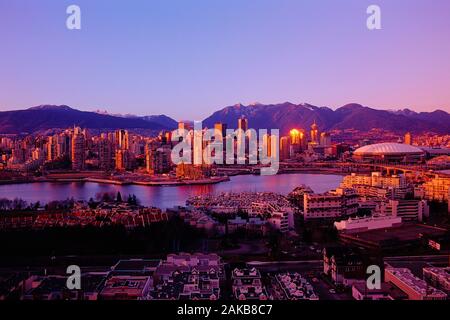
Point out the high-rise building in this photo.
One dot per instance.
(124, 160)
(325, 139)
(105, 154)
(158, 160)
(221, 127)
(285, 148)
(78, 149)
(295, 136)
(122, 139)
(184, 125)
(408, 138)
(314, 133)
(52, 147)
(243, 123)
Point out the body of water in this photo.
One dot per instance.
(169, 196)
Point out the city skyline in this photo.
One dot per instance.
(192, 59)
(216, 158)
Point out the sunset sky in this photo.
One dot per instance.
(189, 58)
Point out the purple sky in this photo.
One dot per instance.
(188, 58)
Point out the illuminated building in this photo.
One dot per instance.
(338, 203)
(78, 149)
(408, 210)
(376, 179)
(184, 126)
(437, 189)
(408, 138)
(124, 160)
(192, 171)
(314, 133)
(388, 152)
(122, 139)
(297, 141)
(222, 128)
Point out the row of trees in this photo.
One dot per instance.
(18, 204)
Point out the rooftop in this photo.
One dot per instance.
(388, 148)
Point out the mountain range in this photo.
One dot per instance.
(283, 116)
(286, 116)
(47, 117)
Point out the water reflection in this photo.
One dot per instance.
(165, 197)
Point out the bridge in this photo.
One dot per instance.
(389, 168)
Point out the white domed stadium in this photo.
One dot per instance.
(389, 152)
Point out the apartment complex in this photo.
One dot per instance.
(438, 277)
(415, 288)
(337, 203)
(378, 185)
(408, 210)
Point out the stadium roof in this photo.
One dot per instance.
(388, 149)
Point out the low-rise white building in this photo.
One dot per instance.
(367, 223)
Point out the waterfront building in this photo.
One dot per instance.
(297, 196)
(389, 152)
(105, 154)
(376, 179)
(52, 147)
(285, 146)
(378, 185)
(158, 160)
(78, 149)
(334, 204)
(122, 139)
(193, 171)
(414, 287)
(124, 160)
